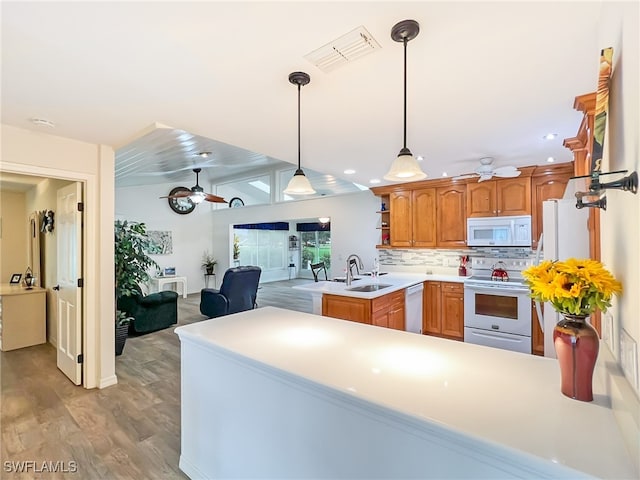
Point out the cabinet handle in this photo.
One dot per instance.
(499, 211)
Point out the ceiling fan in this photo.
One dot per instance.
(486, 171)
(186, 199)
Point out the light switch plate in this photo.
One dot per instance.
(629, 357)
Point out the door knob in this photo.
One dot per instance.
(56, 288)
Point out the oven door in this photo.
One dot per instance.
(497, 309)
(505, 341)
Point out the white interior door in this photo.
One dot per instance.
(69, 295)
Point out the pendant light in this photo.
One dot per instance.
(299, 184)
(405, 168)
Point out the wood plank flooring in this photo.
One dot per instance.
(127, 431)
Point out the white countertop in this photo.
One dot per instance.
(398, 281)
(504, 399)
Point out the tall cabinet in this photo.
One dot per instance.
(581, 146)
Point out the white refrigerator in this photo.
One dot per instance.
(564, 235)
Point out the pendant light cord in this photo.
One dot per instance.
(299, 87)
(405, 92)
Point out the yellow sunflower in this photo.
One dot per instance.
(577, 286)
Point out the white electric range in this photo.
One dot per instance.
(497, 310)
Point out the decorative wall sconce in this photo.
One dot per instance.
(48, 221)
(598, 189)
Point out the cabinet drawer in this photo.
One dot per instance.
(386, 301)
(453, 287)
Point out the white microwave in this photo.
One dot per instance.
(499, 231)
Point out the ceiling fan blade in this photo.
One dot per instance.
(485, 176)
(506, 172)
(214, 198)
(181, 194)
(465, 176)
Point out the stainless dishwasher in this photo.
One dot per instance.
(413, 308)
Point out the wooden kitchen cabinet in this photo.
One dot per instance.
(537, 337)
(547, 182)
(451, 228)
(509, 196)
(582, 148)
(346, 308)
(443, 309)
(413, 218)
(385, 221)
(384, 311)
(388, 311)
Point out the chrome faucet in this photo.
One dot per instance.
(349, 276)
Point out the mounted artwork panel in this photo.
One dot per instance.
(602, 108)
(160, 242)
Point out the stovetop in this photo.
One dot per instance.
(482, 268)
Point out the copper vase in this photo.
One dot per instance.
(577, 344)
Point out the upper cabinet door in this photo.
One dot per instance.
(499, 198)
(424, 217)
(513, 196)
(481, 199)
(401, 219)
(451, 215)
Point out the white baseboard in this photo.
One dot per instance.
(108, 381)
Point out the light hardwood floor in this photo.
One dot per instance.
(127, 431)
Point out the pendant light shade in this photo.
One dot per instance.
(299, 184)
(405, 167)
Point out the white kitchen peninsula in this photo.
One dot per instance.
(273, 393)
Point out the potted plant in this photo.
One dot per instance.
(122, 329)
(131, 266)
(208, 262)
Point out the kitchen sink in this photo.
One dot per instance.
(369, 288)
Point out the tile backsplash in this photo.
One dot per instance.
(443, 258)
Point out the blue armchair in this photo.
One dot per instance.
(237, 293)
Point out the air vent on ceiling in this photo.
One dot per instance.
(349, 47)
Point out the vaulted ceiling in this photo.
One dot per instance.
(162, 81)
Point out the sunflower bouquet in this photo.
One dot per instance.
(574, 286)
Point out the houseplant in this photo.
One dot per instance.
(131, 265)
(208, 262)
(575, 288)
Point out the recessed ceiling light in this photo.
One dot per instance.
(349, 171)
(374, 180)
(550, 136)
(444, 174)
(419, 158)
(551, 159)
(203, 154)
(42, 122)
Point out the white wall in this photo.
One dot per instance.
(13, 234)
(621, 221)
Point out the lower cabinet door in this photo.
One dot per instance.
(346, 308)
